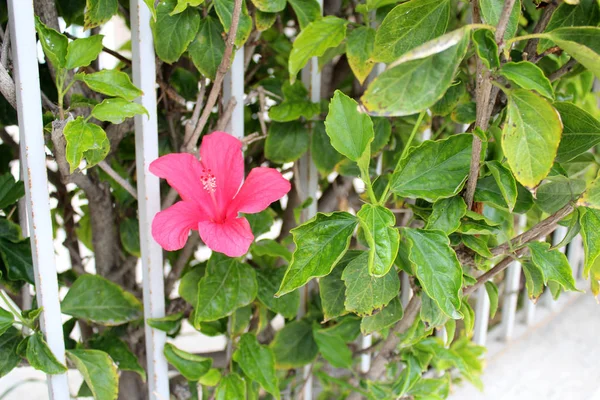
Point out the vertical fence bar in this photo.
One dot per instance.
(308, 183)
(482, 317)
(33, 157)
(148, 187)
(511, 292)
(233, 88)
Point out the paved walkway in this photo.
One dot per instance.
(558, 360)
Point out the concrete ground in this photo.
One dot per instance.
(558, 359)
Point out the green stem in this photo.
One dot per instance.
(384, 196)
(524, 37)
(13, 310)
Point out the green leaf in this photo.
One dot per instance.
(129, 230)
(294, 345)
(98, 12)
(505, 181)
(182, 5)
(173, 33)
(208, 47)
(431, 313)
(9, 358)
(492, 292)
(434, 169)
(478, 244)
(383, 131)
(264, 21)
(491, 10)
(418, 79)
(269, 281)
(582, 43)
(231, 387)
(528, 76)
(476, 224)
(81, 52)
(332, 289)
(386, 318)
(322, 152)
(188, 285)
(320, 244)
(295, 104)
(450, 100)
(191, 366)
(364, 292)
(6, 320)
(410, 25)
(10, 190)
(553, 264)
(332, 347)
(99, 372)
(111, 83)
(53, 43)
(269, 247)
(585, 13)
(99, 300)
(359, 48)
(486, 48)
(17, 259)
(286, 141)
(557, 191)
(590, 233)
(437, 268)
(350, 132)
(534, 280)
(227, 286)
(591, 196)
(258, 363)
(224, 9)
(170, 323)
(446, 214)
(82, 137)
(378, 224)
(465, 113)
(116, 110)
(270, 6)
(40, 356)
(530, 137)
(307, 11)
(71, 11)
(10, 231)
(313, 40)
(581, 131)
(119, 352)
(211, 378)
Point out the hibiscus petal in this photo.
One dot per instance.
(262, 187)
(222, 154)
(231, 237)
(171, 227)
(183, 172)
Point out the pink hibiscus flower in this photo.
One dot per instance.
(212, 195)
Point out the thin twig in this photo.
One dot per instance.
(5, 46)
(501, 266)
(262, 111)
(226, 116)
(118, 178)
(191, 123)
(7, 87)
(549, 8)
(482, 96)
(565, 69)
(217, 83)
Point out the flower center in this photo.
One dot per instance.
(209, 181)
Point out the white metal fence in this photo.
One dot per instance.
(33, 157)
